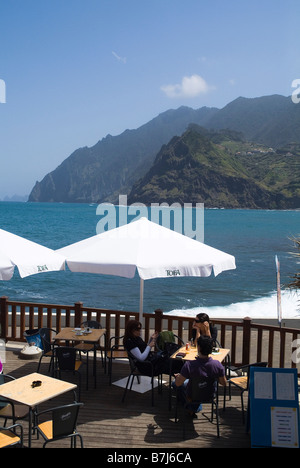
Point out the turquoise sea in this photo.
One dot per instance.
(254, 237)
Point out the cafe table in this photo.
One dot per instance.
(22, 391)
(91, 336)
(219, 354)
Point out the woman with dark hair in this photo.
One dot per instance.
(135, 344)
(141, 351)
(203, 327)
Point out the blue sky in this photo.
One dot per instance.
(76, 70)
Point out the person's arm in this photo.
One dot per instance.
(184, 374)
(205, 329)
(137, 354)
(223, 381)
(179, 380)
(142, 356)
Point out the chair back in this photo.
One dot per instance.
(116, 342)
(132, 362)
(163, 338)
(66, 357)
(65, 420)
(92, 324)
(166, 342)
(203, 389)
(3, 379)
(256, 364)
(45, 334)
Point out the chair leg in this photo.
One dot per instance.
(110, 370)
(126, 388)
(183, 423)
(79, 385)
(152, 392)
(132, 380)
(39, 364)
(243, 410)
(217, 418)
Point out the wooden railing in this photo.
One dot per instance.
(248, 342)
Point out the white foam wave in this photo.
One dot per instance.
(261, 308)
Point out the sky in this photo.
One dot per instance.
(73, 71)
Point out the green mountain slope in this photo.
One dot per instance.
(220, 170)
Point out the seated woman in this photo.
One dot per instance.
(142, 351)
(135, 344)
(203, 327)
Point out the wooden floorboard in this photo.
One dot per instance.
(106, 422)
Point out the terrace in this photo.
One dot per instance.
(105, 421)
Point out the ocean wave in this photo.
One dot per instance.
(260, 308)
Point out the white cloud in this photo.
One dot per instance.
(120, 59)
(190, 86)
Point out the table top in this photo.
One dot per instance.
(69, 334)
(193, 352)
(21, 391)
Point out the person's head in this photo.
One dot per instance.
(205, 345)
(201, 318)
(133, 329)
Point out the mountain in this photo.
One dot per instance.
(221, 169)
(112, 166)
(16, 198)
(272, 120)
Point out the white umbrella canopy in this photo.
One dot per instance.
(29, 257)
(148, 248)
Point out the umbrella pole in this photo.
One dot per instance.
(141, 300)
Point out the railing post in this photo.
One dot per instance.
(3, 317)
(78, 313)
(158, 320)
(246, 340)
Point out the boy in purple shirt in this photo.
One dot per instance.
(202, 366)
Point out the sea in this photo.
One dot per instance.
(253, 237)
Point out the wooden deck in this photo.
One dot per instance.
(106, 422)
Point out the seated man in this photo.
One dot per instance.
(202, 366)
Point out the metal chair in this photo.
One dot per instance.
(65, 360)
(203, 390)
(48, 347)
(9, 437)
(241, 381)
(62, 424)
(86, 348)
(139, 369)
(116, 350)
(166, 341)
